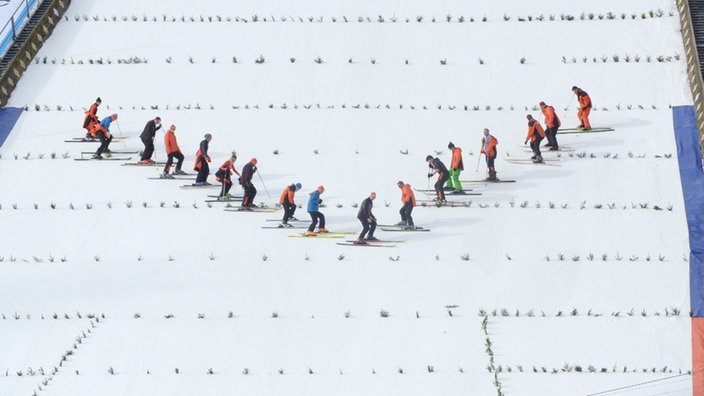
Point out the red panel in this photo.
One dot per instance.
(698, 356)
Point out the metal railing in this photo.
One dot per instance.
(18, 19)
(694, 70)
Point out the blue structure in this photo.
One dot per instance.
(8, 118)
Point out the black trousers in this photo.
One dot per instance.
(490, 162)
(249, 193)
(367, 227)
(148, 148)
(104, 143)
(535, 145)
(405, 212)
(316, 218)
(551, 135)
(170, 161)
(440, 184)
(289, 210)
(204, 171)
(226, 184)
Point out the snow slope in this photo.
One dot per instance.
(573, 280)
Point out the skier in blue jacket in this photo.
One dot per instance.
(313, 204)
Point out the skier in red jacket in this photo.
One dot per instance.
(172, 151)
(224, 176)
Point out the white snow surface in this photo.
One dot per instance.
(581, 281)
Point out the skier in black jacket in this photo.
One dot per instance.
(147, 137)
(367, 219)
(437, 167)
(246, 181)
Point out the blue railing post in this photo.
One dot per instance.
(12, 23)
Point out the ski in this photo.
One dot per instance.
(433, 193)
(378, 241)
(280, 227)
(201, 186)
(85, 140)
(318, 236)
(104, 159)
(224, 201)
(182, 178)
(364, 244)
(447, 191)
(231, 196)
(138, 164)
(488, 181)
(394, 225)
(546, 149)
(531, 160)
(290, 220)
(404, 230)
(251, 210)
(448, 204)
(111, 152)
(531, 163)
(593, 130)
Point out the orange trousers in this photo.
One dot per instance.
(583, 116)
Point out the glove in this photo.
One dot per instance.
(526, 142)
(320, 202)
(430, 175)
(254, 169)
(208, 158)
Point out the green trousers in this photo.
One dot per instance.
(454, 180)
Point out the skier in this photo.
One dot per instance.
(102, 132)
(147, 137)
(585, 107)
(456, 167)
(535, 135)
(317, 218)
(91, 118)
(172, 151)
(246, 181)
(552, 123)
(287, 202)
(409, 201)
(489, 144)
(224, 176)
(437, 167)
(202, 159)
(367, 219)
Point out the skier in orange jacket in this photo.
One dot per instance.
(409, 201)
(489, 144)
(91, 118)
(287, 202)
(172, 151)
(552, 123)
(535, 135)
(456, 167)
(585, 107)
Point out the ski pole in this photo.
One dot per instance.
(478, 161)
(121, 137)
(263, 185)
(568, 106)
